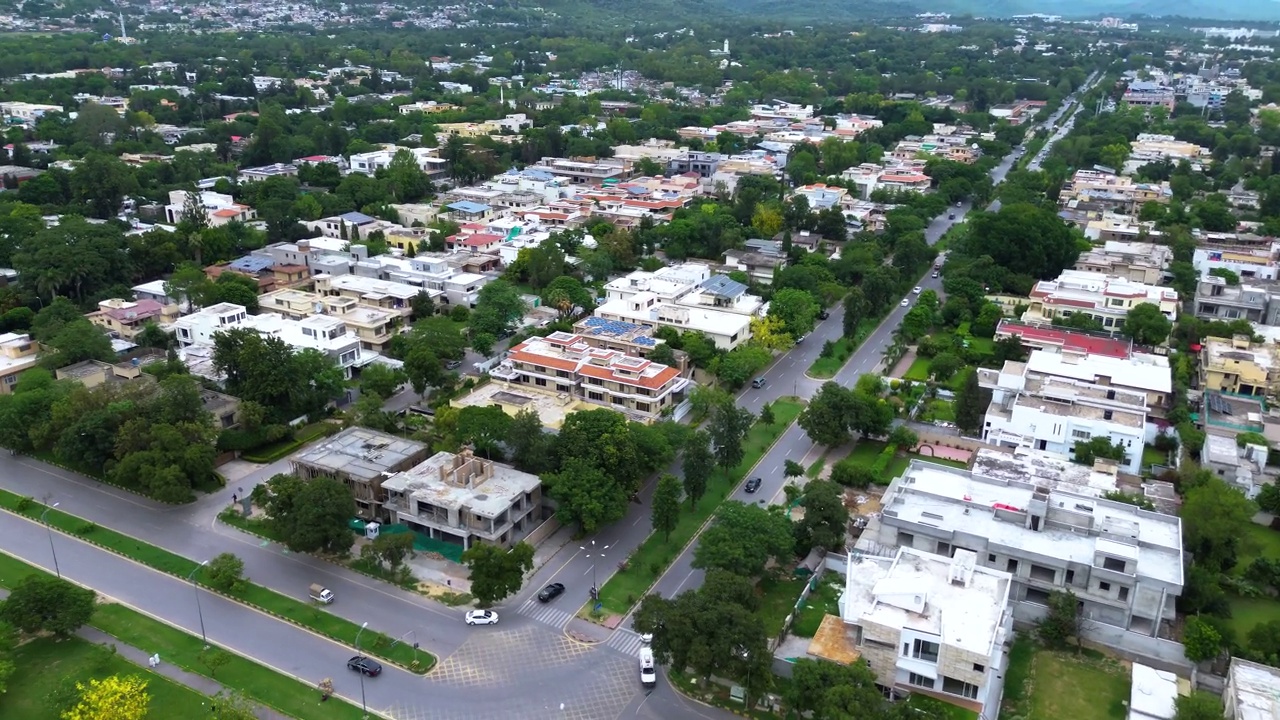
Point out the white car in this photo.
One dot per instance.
(906, 302)
(915, 290)
(482, 617)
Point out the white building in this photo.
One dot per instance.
(1153, 694)
(318, 332)
(1107, 299)
(1251, 691)
(1256, 263)
(371, 292)
(219, 207)
(689, 284)
(930, 623)
(370, 163)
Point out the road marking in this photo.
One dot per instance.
(97, 486)
(685, 580)
(625, 641)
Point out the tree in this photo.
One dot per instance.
(697, 465)
(826, 418)
(405, 179)
(422, 304)
(606, 440)
(825, 517)
(1202, 640)
(766, 414)
(1198, 705)
(382, 380)
(791, 468)
(497, 572)
(1023, 238)
(1146, 324)
(567, 295)
(743, 539)
(1214, 518)
(855, 309)
(532, 449)
(224, 572)
(441, 335)
(44, 604)
(77, 341)
(796, 308)
(588, 497)
(904, 438)
(817, 686)
(729, 426)
(423, 367)
(102, 182)
(213, 658)
(1063, 621)
(944, 365)
(971, 404)
(112, 698)
(1099, 447)
(498, 307)
(851, 473)
(310, 515)
(666, 505)
(391, 549)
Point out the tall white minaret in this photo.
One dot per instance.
(726, 46)
(124, 34)
(502, 95)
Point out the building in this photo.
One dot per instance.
(382, 294)
(218, 207)
(726, 329)
(1108, 191)
(690, 284)
(462, 499)
(1047, 337)
(1251, 691)
(564, 363)
(625, 337)
(1257, 302)
(582, 173)
(1154, 148)
(127, 318)
(930, 624)
(375, 327)
(1124, 564)
(18, 353)
(361, 459)
(1239, 366)
(1148, 95)
(436, 168)
(257, 174)
(1138, 262)
(1241, 467)
(759, 265)
(1249, 262)
(1153, 694)
(1105, 298)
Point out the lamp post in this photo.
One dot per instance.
(52, 550)
(364, 707)
(199, 610)
(595, 554)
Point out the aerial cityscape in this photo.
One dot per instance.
(588, 361)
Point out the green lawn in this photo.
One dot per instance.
(44, 664)
(866, 452)
(1260, 541)
(777, 598)
(294, 610)
(938, 409)
(1152, 456)
(260, 684)
(823, 601)
(827, 367)
(952, 712)
(918, 371)
(1047, 685)
(270, 453)
(656, 553)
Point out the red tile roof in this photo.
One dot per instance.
(1056, 337)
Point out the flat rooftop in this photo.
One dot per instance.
(425, 482)
(1142, 371)
(1257, 690)
(1041, 469)
(702, 319)
(359, 453)
(551, 408)
(957, 500)
(954, 599)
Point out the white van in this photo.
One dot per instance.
(648, 670)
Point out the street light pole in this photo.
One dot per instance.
(54, 552)
(595, 554)
(199, 610)
(364, 707)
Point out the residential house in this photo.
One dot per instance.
(1252, 262)
(1108, 190)
(18, 353)
(257, 174)
(1105, 298)
(462, 500)
(362, 459)
(1138, 262)
(383, 294)
(218, 208)
(1257, 302)
(127, 318)
(1240, 366)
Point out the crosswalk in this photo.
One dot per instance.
(624, 641)
(546, 614)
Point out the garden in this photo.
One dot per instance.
(1083, 685)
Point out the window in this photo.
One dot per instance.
(1080, 434)
(1104, 586)
(944, 549)
(906, 539)
(924, 650)
(1113, 564)
(979, 668)
(991, 557)
(1124, 594)
(1011, 567)
(1042, 573)
(919, 680)
(959, 687)
(1071, 577)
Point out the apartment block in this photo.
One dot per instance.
(1105, 298)
(563, 363)
(1148, 95)
(373, 326)
(1239, 366)
(1138, 262)
(127, 318)
(930, 624)
(463, 500)
(218, 207)
(1250, 262)
(1155, 148)
(1254, 301)
(1118, 193)
(1124, 564)
(18, 353)
(362, 459)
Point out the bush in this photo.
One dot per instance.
(881, 465)
(459, 313)
(849, 473)
(24, 504)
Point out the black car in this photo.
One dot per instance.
(824, 315)
(551, 592)
(753, 485)
(364, 666)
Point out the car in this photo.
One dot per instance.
(935, 273)
(482, 617)
(960, 203)
(823, 315)
(905, 302)
(801, 338)
(753, 485)
(916, 290)
(365, 666)
(759, 383)
(551, 592)
(951, 216)
(453, 365)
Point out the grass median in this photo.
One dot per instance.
(656, 553)
(257, 682)
(826, 366)
(300, 613)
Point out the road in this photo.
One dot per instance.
(795, 443)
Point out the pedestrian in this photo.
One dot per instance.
(234, 498)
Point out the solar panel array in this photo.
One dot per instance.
(602, 326)
(1217, 403)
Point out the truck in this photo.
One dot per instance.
(321, 594)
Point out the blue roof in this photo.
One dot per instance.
(724, 286)
(467, 206)
(616, 328)
(251, 263)
(358, 218)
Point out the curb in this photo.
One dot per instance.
(220, 593)
(106, 482)
(679, 688)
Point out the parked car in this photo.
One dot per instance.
(482, 617)
(801, 338)
(551, 592)
(453, 365)
(759, 383)
(365, 666)
(753, 485)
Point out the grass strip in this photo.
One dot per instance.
(257, 682)
(300, 613)
(647, 563)
(826, 366)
